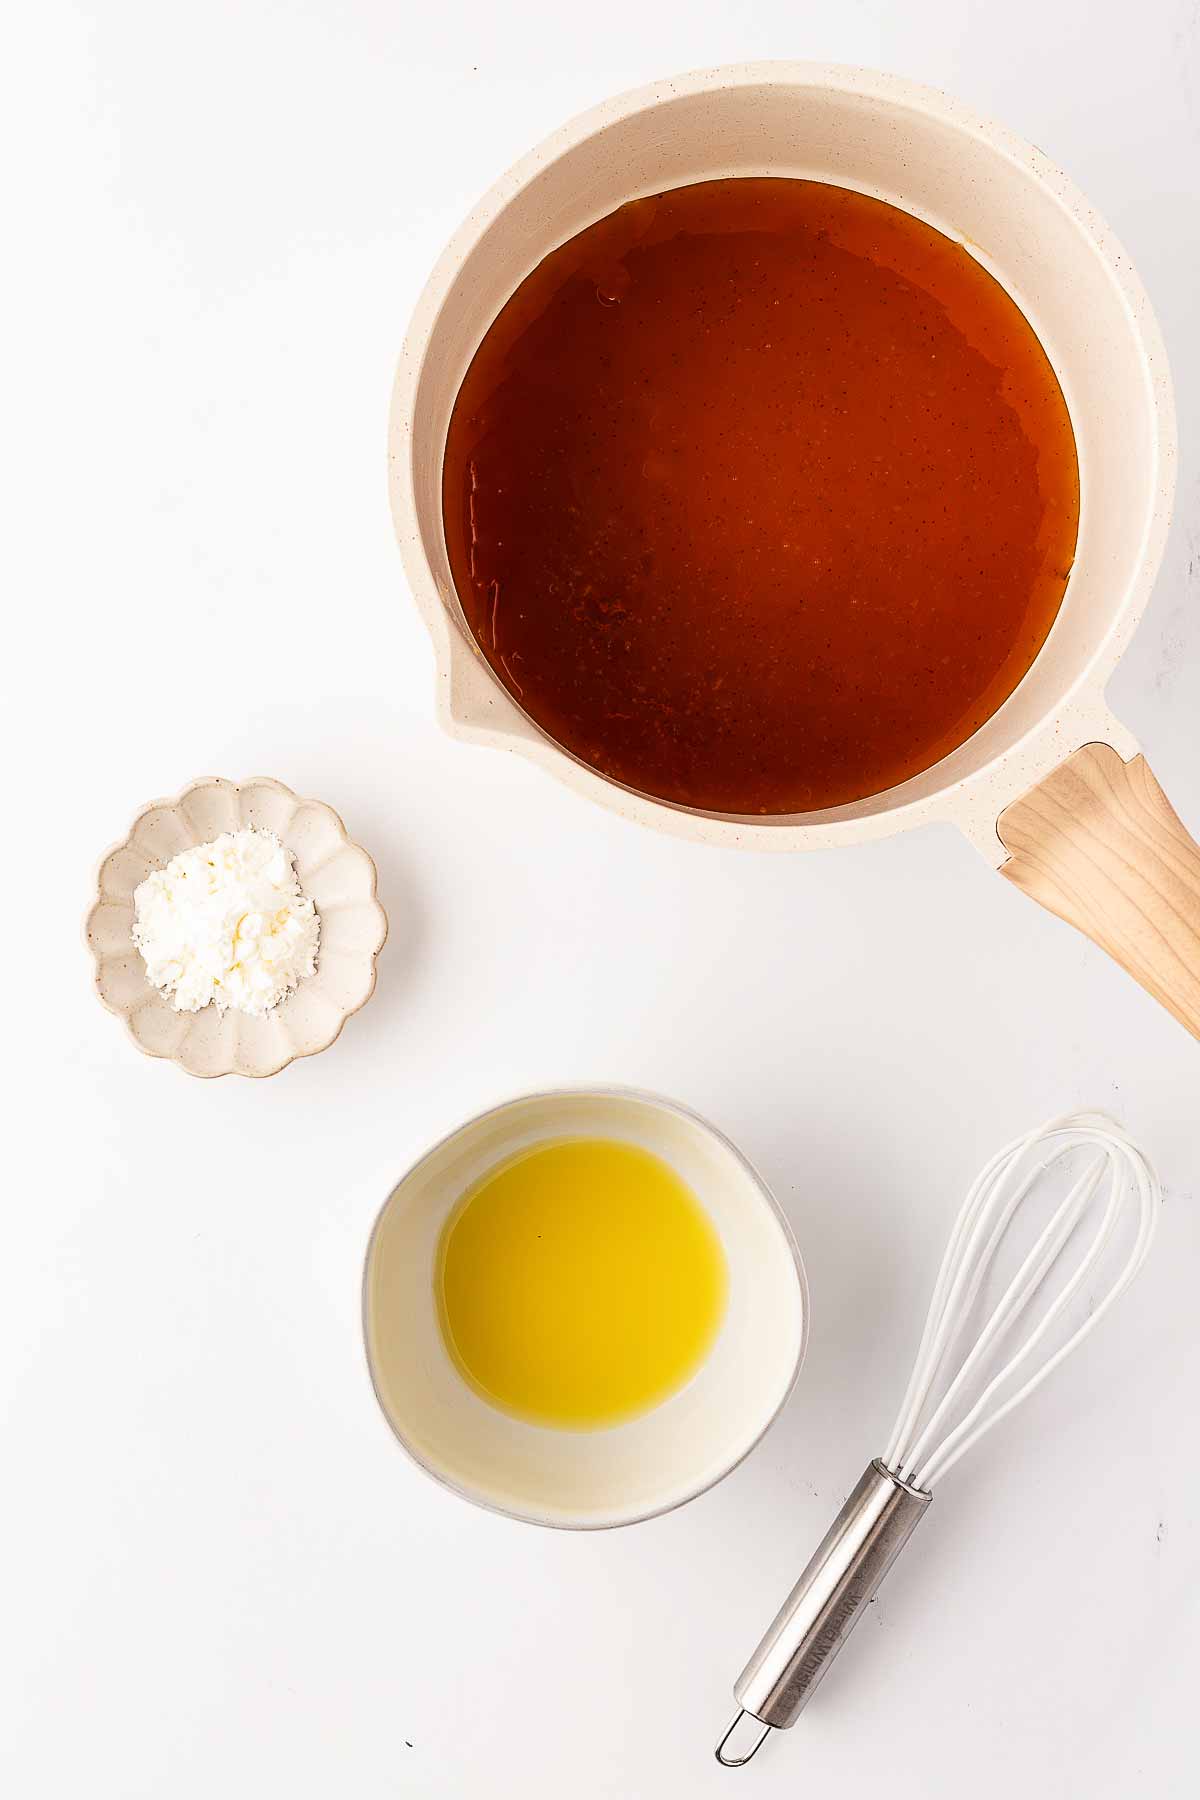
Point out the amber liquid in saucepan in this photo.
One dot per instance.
(760, 495)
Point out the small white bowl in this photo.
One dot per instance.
(627, 1472)
(336, 874)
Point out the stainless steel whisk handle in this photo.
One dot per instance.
(954, 1400)
(820, 1612)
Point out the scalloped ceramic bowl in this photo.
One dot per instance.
(337, 874)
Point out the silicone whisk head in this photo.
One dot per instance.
(1115, 1196)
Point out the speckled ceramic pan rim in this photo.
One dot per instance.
(336, 873)
(972, 179)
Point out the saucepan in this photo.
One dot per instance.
(1051, 788)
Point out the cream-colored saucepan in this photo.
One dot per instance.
(1051, 788)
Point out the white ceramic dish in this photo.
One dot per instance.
(1087, 838)
(585, 1479)
(336, 873)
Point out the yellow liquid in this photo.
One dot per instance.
(580, 1284)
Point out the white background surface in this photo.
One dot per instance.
(221, 1576)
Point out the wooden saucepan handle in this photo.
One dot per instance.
(1098, 842)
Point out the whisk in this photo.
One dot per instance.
(939, 1421)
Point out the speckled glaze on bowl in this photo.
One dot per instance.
(337, 874)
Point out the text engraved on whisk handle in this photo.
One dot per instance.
(816, 1619)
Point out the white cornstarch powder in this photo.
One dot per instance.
(227, 923)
